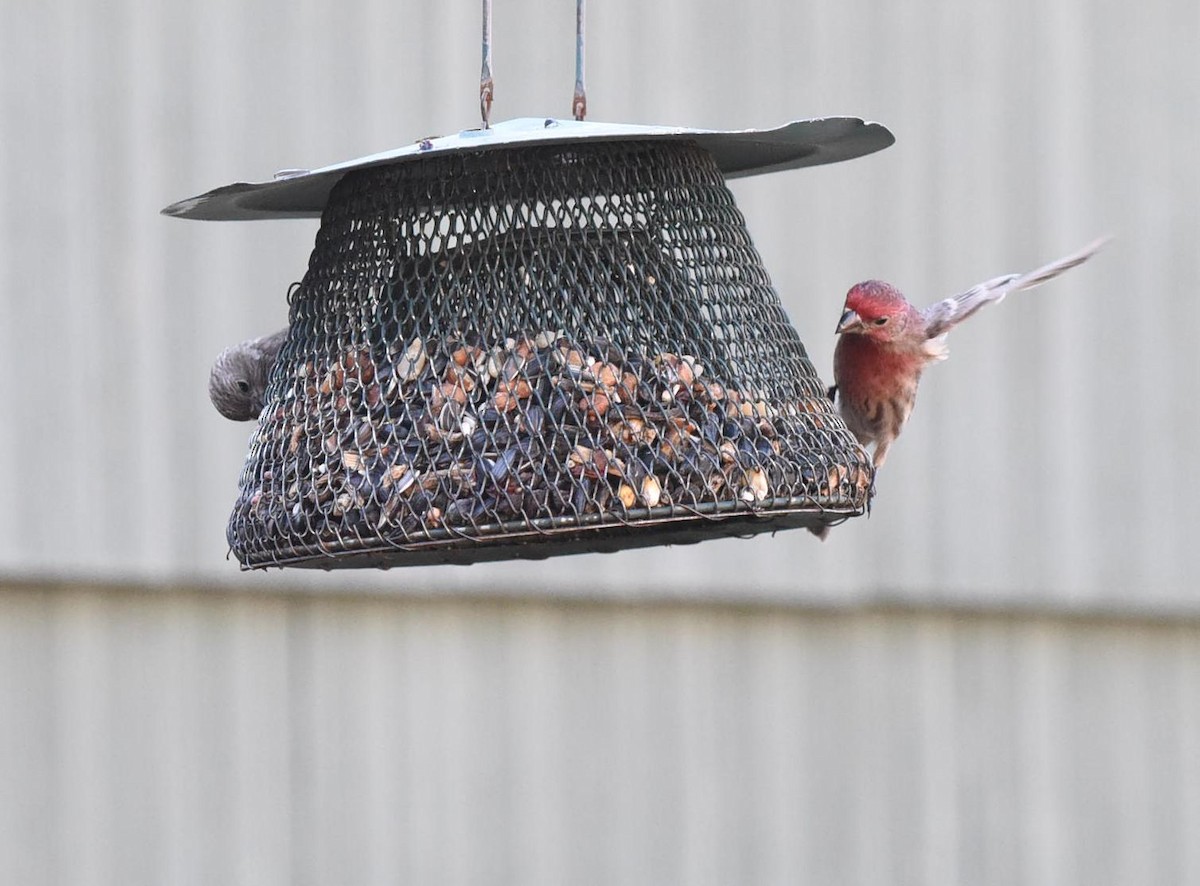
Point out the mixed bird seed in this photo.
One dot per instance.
(422, 438)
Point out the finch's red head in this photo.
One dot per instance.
(877, 310)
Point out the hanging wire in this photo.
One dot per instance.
(579, 104)
(486, 86)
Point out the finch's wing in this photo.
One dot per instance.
(940, 318)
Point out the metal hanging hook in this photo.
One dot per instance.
(486, 85)
(579, 103)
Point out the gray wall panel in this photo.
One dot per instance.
(198, 737)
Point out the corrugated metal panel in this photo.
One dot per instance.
(1048, 457)
(185, 737)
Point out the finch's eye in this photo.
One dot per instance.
(243, 386)
(882, 321)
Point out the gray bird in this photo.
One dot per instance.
(238, 383)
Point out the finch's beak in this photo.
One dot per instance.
(850, 322)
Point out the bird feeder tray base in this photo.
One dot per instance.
(445, 547)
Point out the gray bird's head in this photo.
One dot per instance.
(238, 384)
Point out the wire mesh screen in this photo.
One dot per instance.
(533, 351)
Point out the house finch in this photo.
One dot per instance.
(886, 343)
(237, 385)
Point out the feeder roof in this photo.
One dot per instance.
(302, 193)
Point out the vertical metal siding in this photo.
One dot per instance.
(187, 737)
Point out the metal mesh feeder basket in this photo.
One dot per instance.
(536, 350)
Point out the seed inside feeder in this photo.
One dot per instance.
(536, 351)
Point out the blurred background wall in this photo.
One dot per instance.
(995, 678)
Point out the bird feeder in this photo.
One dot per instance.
(536, 338)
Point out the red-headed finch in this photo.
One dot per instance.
(886, 343)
